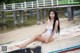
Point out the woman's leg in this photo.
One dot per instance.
(36, 38)
(51, 39)
(45, 40)
(27, 42)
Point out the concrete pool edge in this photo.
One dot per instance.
(66, 49)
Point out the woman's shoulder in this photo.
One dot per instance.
(57, 22)
(48, 21)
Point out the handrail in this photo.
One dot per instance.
(36, 4)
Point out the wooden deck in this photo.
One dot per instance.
(61, 43)
(41, 4)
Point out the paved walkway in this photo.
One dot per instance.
(21, 35)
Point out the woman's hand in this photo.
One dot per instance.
(39, 35)
(47, 39)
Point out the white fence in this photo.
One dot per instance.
(32, 4)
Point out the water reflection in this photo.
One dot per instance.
(6, 28)
(3, 28)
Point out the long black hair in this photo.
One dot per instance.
(55, 19)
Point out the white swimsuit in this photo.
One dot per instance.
(48, 32)
(49, 28)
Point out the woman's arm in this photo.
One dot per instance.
(45, 27)
(44, 31)
(55, 29)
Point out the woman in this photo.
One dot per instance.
(47, 35)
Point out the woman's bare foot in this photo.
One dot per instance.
(21, 46)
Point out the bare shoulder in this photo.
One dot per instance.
(57, 22)
(48, 21)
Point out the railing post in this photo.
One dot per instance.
(32, 4)
(70, 13)
(44, 2)
(25, 5)
(52, 2)
(4, 6)
(57, 2)
(38, 16)
(3, 17)
(15, 17)
(21, 5)
(44, 14)
(37, 4)
(21, 17)
(13, 6)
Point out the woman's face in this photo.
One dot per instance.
(52, 14)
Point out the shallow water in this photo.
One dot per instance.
(4, 29)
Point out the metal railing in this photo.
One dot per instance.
(36, 4)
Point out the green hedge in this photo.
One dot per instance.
(67, 2)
